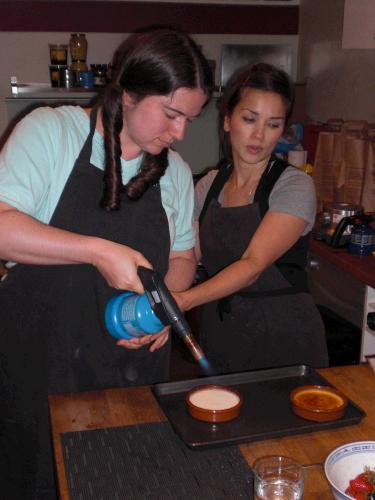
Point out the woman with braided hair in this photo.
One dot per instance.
(73, 237)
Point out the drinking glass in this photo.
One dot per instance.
(278, 478)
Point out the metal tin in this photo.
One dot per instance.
(340, 210)
(54, 71)
(66, 78)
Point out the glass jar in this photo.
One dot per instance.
(78, 67)
(58, 53)
(78, 47)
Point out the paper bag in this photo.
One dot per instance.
(341, 163)
(328, 166)
(368, 189)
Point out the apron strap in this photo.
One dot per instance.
(217, 185)
(87, 147)
(267, 181)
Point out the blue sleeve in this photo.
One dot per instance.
(178, 201)
(26, 164)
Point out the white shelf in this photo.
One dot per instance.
(48, 92)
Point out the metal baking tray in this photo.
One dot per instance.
(266, 412)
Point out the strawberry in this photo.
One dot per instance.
(356, 495)
(362, 487)
(360, 484)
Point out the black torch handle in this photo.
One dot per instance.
(162, 302)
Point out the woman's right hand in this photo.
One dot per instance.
(118, 264)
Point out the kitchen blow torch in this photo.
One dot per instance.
(167, 310)
(129, 315)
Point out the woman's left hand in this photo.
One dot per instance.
(157, 340)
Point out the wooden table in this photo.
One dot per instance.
(121, 407)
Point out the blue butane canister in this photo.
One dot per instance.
(130, 315)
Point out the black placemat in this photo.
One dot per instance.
(149, 461)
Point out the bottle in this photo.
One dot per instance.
(362, 239)
(130, 315)
(100, 74)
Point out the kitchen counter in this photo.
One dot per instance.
(123, 407)
(361, 268)
(345, 284)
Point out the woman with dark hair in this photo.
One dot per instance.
(74, 236)
(255, 214)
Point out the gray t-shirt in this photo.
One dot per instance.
(293, 193)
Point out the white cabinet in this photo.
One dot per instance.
(200, 147)
(17, 106)
(359, 24)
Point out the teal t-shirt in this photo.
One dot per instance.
(37, 159)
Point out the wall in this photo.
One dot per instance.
(340, 82)
(27, 57)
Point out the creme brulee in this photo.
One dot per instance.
(316, 399)
(214, 399)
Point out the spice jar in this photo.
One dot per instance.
(58, 53)
(100, 74)
(78, 47)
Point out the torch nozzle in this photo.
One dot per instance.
(193, 346)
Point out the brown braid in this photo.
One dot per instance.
(152, 168)
(112, 123)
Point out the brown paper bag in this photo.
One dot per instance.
(340, 164)
(355, 160)
(368, 189)
(327, 167)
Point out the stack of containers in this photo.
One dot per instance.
(59, 61)
(77, 74)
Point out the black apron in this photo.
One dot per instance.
(53, 337)
(274, 322)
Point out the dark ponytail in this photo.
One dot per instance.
(153, 62)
